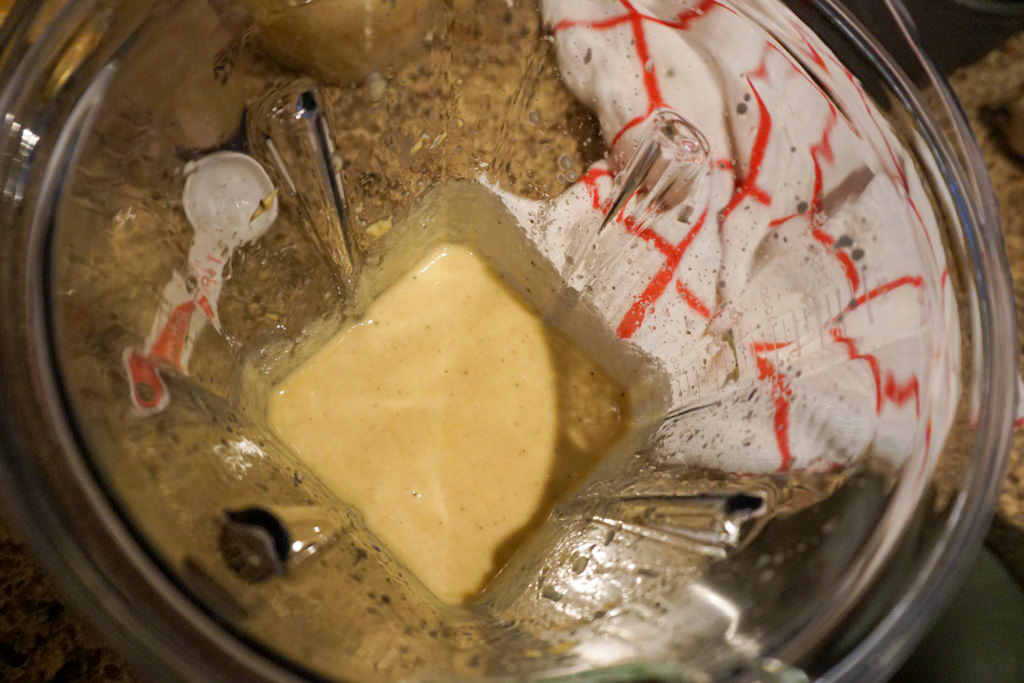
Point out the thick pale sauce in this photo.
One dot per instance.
(441, 416)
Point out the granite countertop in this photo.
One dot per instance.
(41, 640)
(986, 89)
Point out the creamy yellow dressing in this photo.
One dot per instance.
(442, 417)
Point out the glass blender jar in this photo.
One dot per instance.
(770, 229)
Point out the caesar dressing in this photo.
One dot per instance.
(438, 416)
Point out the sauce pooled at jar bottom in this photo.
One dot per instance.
(451, 417)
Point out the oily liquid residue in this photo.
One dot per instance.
(451, 417)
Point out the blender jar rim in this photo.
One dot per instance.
(89, 546)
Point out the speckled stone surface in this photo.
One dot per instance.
(41, 640)
(985, 88)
